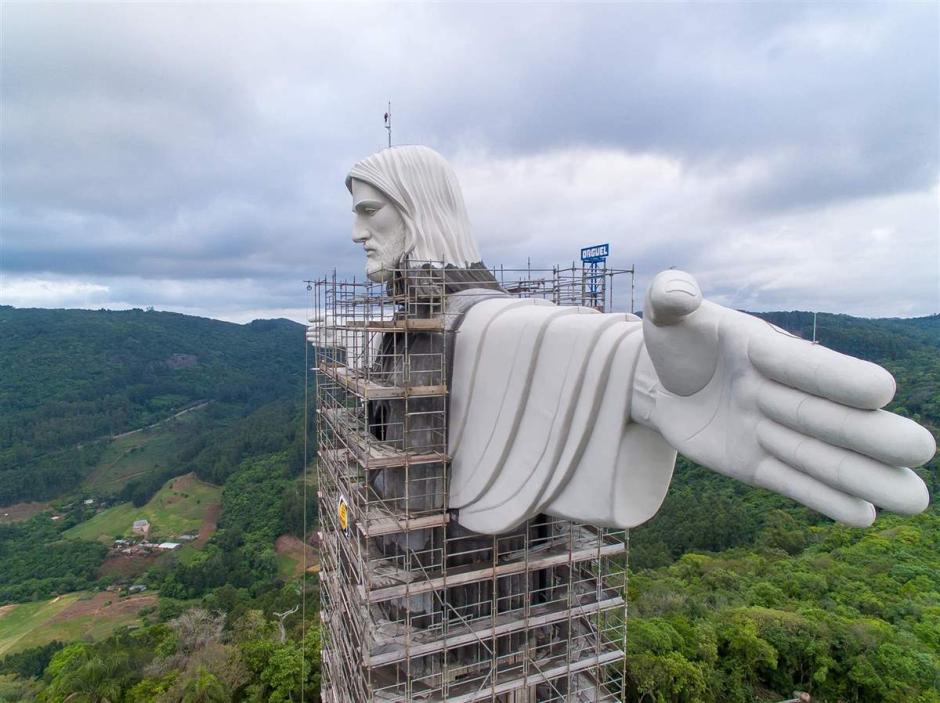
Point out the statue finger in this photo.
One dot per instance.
(815, 369)
(893, 488)
(782, 478)
(883, 436)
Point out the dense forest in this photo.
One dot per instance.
(735, 594)
(72, 378)
(738, 594)
(38, 563)
(848, 614)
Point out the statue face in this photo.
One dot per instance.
(379, 227)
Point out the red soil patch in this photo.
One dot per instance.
(209, 523)
(126, 565)
(294, 548)
(21, 511)
(99, 606)
(182, 483)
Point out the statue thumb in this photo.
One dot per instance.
(672, 295)
(680, 337)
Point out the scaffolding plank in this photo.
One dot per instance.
(422, 584)
(369, 452)
(405, 324)
(511, 622)
(546, 670)
(373, 526)
(542, 676)
(370, 390)
(379, 522)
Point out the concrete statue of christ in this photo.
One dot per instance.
(579, 414)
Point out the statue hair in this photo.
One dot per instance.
(426, 192)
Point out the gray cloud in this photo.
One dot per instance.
(206, 145)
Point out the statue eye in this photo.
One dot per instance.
(367, 209)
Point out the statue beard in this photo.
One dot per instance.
(386, 256)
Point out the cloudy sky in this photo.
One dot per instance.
(191, 157)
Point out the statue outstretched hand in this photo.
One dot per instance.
(748, 400)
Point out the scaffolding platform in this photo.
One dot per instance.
(415, 607)
(430, 324)
(359, 383)
(561, 554)
(367, 451)
(425, 642)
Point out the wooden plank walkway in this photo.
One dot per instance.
(370, 390)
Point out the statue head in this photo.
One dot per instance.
(409, 211)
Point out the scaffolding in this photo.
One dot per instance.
(415, 607)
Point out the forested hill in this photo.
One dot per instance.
(72, 377)
(878, 340)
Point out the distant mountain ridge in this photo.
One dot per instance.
(875, 339)
(71, 377)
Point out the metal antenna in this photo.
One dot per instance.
(388, 123)
(814, 328)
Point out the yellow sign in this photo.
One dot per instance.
(342, 511)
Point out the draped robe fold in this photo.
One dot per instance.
(540, 419)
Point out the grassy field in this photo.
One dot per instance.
(135, 454)
(75, 616)
(179, 507)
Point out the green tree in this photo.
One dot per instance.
(205, 687)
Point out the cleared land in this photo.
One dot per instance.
(126, 566)
(136, 453)
(210, 521)
(21, 511)
(290, 557)
(75, 616)
(181, 506)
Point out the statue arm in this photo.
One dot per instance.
(750, 401)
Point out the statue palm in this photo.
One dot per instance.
(748, 400)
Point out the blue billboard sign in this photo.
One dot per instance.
(595, 254)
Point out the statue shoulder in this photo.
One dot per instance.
(458, 304)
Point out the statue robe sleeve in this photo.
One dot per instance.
(540, 419)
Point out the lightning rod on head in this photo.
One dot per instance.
(388, 123)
